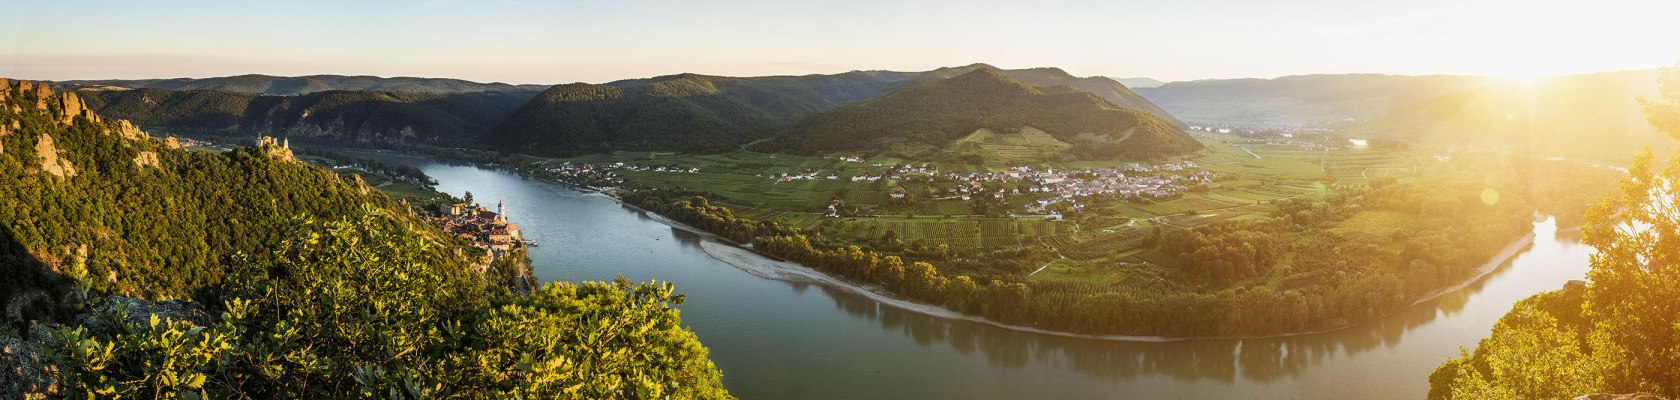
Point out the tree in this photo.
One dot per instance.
(1635, 296)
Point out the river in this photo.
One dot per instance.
(785, 340)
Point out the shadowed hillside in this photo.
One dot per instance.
(374, 117)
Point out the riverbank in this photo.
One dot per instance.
(742, 257)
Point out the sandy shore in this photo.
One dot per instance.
(765, 267)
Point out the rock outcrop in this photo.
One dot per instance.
(71, 106)
(128, 131)
(42, 92)
(146, 159)
(50, 161)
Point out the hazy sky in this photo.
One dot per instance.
(529, 41)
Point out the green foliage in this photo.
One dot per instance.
(1623, 334)
(304, 285)
(1537, 351)
(355, 308)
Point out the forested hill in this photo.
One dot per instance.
(685, 112)
(147, 220)
(293, 85)
(1104, 87)
(298, 283)
(366, 117)
(963, 115)
(688, 112)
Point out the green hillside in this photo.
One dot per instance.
(129, 268)
(925, 119)
(1104, 87)
(688, 112)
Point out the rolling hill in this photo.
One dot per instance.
(294, 85)
(1106, 88)
(1299, 99)
(688, 112)
(939, 119)
(1591, 116)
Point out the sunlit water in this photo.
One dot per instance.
(779, 340)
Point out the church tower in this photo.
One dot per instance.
(501, 211)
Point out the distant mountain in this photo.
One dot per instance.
(985, 115)
(686, 112)
(1298, 99)
(293, 85)
(1592, 116)
(375, 117)
(1139, 83)
(1103, 87)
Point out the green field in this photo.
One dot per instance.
(1252, 175)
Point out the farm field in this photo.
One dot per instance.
(1251, 176)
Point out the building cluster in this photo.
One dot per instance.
(485, 229)
(606, 173)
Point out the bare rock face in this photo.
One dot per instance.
(170, 142)
(50, 161)
(5, 86)
(146, 159)
(128, 131)
(42, 92)
(71, 106)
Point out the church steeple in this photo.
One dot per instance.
(501, 211)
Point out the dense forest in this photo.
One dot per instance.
(920, 120)
(134, 269)
(370, 117)
(1618, 332)
(688, 112)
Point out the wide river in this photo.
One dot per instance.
(782, 340)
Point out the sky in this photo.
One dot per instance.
(545, 42)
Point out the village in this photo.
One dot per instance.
(484, 229)
(1048, 188)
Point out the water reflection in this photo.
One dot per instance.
(1261, 360)
(776, 339)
